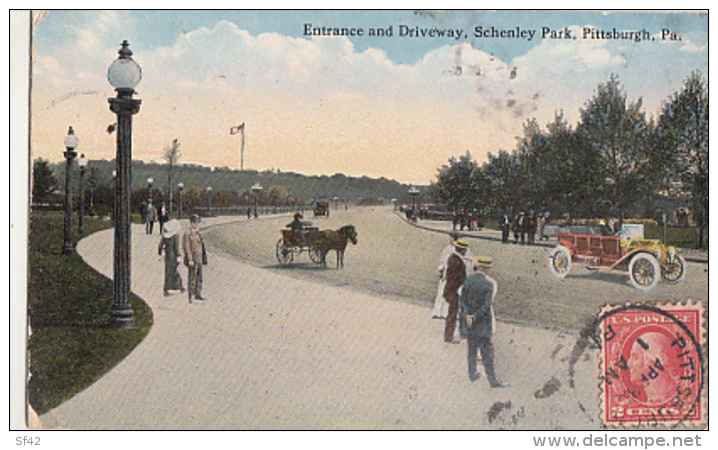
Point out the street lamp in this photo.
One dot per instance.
(256, 188)
(150, 182)
(209, 201)
(180, 188)
(414, 192)
(71, 142)
(82, 162)
(123, 75)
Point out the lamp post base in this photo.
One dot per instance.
(123, 319)
(69, 249)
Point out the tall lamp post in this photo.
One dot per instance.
(414, 192)
(82, 162)
(123, 75)
(256, 188)
(71, 142)
(209, 201)
(150, 183)
(180, 188)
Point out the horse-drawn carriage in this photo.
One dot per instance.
(317, 243)
(295, 242)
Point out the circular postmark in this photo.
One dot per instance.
(652, 364)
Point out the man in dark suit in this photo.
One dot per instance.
(455, 276)
(476, 312)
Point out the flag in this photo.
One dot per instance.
(236, 130)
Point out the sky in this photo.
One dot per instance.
(396, 106)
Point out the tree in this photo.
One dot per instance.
(171, 155)
(43, 181)
(618, 132)
(455, 184)
(502, 181)
(683, 129)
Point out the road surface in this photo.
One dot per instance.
(399, 261)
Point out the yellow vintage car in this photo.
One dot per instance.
(646, 261)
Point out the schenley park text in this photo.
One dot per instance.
(492, 32)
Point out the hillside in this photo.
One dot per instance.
(224, 180)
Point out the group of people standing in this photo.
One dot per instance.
(195, 256)
(471, 222)
(524, 226)
(153, 215)
(466, 294)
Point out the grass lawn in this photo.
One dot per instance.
(71, 345)
(683, 237)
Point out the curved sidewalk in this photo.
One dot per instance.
(267, 351)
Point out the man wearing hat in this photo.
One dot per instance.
(476, 311)
(195, 257)
(296, 225)
(455, 276)
(441, 307)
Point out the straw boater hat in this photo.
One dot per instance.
(171, 228)
(483, 261)
(461, 243)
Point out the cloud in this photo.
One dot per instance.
(321, 106)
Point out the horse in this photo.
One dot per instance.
(336, 240)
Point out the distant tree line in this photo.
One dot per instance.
(615, 162)
(229, 187)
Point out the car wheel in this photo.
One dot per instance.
(559, 261)
(644, 271)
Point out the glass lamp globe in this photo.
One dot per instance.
(71, 140)
(124, 73)
(82, 161)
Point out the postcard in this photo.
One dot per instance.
(407, 220)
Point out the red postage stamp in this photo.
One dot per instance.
(652, 365)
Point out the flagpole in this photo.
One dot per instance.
(242, 157)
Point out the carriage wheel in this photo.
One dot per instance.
(285, 255)
(559, 262)
(315, 254)
(644, 271)
(674, 271)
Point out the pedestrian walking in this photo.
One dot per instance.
(519, 228)
(195, 256)
(163, 216)
(476, 312)
(542, 219)
(455, 276)
(531, 226)
(169, 246)
(150, 217)
(441, 307)
(505, 228)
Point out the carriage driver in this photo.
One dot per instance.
(296, 226)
